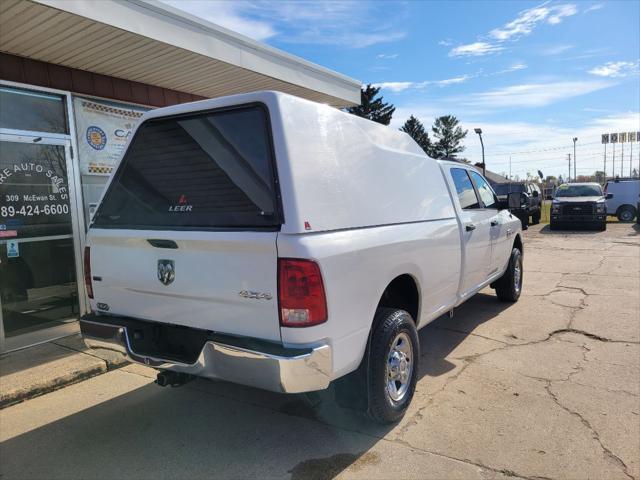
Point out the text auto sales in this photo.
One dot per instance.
(28, 210)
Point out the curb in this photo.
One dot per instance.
(47, 367)
(20, 395)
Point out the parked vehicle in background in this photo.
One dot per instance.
(579, 204)
(530, 200)
(622, 198)
(283, 244)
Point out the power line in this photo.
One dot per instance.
(548, 149)
(547, 159)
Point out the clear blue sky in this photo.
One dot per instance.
(531, 75)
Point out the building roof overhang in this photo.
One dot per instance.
(150, 42)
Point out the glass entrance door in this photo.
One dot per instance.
(38, 258)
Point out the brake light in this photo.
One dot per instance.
(301, 294)
(87, 271)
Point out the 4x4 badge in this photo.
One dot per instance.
(166, 271)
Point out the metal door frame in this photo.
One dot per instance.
(77, 235)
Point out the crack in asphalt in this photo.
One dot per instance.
(612, 456)
(470, 359)
(472, 334)
(504, 471)
(592, 336)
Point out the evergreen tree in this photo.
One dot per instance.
(416, 130)
(449, 135)
(372, 107)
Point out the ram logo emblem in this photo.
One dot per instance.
(166, 271)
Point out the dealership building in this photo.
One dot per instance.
(75, 77)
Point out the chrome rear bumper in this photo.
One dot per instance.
(300, 372)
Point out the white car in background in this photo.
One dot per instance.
(622, 198)
(275, 242)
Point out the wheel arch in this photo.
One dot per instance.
(402, 292)
(517, 243)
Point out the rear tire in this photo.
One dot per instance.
(509, 286)
(394, 353)
(626, 213)
(602, 227)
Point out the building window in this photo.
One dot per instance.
(34, 111)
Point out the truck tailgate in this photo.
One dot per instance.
(222, 281)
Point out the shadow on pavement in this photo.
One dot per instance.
(215, 429)
(578, 230)
(437, 341)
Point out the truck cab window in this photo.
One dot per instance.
(466, 193)
(486, 193)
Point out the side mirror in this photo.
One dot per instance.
(514, 200)
(535, 194)
(608, 196)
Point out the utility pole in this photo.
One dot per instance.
(605, 163)
(509, 167)
(613, 174)
(575, 176)
(569, 158)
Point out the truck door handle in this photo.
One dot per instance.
(494, 223)
(470, 227)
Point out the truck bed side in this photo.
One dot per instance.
(357, 265)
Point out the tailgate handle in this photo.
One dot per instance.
(159, 243)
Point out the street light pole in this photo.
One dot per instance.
(575, 177)
(484, 165)
(569, 158)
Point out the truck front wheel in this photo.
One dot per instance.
(394, 353)
(509, 286)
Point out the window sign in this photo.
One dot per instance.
(34, 190)
(102, 130)
(13, 249)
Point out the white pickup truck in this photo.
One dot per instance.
(282, 244)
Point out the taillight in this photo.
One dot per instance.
(300, 293)
(87, 271)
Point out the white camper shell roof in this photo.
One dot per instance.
(337, 170)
